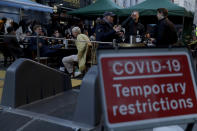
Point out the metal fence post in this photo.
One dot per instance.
(38, 48)
(115, 46)
(190, 127)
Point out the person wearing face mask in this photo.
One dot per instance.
(133, 26)
(165, 32)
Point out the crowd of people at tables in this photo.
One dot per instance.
(104, 31)
(17, 36)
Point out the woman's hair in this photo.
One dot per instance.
(76, 29)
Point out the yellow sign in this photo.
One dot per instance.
(196, 31)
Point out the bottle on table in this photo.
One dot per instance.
(65, 42)
(138, 37)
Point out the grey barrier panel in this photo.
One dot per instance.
(27, 81)
(88, 109)
(39, 125)
(14, 119)
(11, 122)
(61, 106)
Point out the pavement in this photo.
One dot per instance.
(76, 84)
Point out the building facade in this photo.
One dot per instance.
(72, 4)
(127, 3)
(195, 14)
(84, 3)
(187, 4)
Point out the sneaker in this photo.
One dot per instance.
(62, 69)
(78, 73)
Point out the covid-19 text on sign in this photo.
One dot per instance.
(147, 87)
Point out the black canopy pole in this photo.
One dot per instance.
(183, 26)
(20, 13)
(118, 17)
(118, 20)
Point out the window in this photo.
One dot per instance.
(124, 3)
(136, 2)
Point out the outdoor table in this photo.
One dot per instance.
(65, 51)
(132, 45)
(24, 45)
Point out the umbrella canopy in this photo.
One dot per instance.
(97, 8)
(27, 5)
(149, 7)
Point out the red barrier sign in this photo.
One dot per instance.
(145, 87)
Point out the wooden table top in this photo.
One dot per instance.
(132, 45)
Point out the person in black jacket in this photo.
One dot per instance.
(105, 30)
(165, 32)
(12, 44)
(133, 26)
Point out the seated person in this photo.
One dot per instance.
(27, 39)
(56, 34)
(93, 37)
(56, 43)
(12, 43)
(82, 48)
(120, 38)
(42, 43)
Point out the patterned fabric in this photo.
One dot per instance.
(82, 48)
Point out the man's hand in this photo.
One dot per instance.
(40, 45)
(117, 28)
(147, 35)
(89, 44)
(135, 16)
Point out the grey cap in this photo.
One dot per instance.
(108, 14)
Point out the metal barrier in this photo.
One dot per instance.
(27, 81)
(26, 99)
(93, 47)
(89, 113)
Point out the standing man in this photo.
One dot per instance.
(165, 32)
(105, 30)
(133, 26)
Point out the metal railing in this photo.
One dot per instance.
(95, 44)
(93, 49)
(58, 39)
